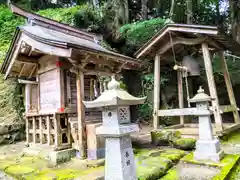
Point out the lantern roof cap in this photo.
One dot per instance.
(114, 96)
(201, 96)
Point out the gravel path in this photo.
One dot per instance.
(195, 172)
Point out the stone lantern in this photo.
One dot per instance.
(207, 147)
(116, 128)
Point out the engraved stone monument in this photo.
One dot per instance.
(116, 128)
(207, 147)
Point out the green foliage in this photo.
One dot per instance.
(145, 110)
(8, 24)
(11, 100)
(63, 15)
(138, 33)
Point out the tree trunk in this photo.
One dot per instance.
(171, 13)
(189, 12)
(235, 19)
(144, 9)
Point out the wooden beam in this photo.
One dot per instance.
(156, 96)
(14, 56)
(229, 87)
(180, 94)
(82, 140)
(183, 112)
(180, 40)
(212, 87)
(21, 71)
(27, 60)
(33, 69)
(27, 97)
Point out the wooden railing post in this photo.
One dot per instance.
(156, 97)
(82, 140)
(212, 87)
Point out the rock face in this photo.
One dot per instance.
(10, 133)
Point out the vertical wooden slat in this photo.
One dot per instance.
(62, 89)
(57, 130)
(81, 116)
(27, 129)
(34, 129)
(68, 132)
(229, 87)
(212, 87)
(180, 94)
(48, 130)
(41, 129)
(156, 99)
(27, 97)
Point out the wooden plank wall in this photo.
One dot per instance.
(49, 90)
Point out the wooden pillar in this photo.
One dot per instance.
(27, 97)
(212, 87)
(229, 87)
(156, 96)
(180, 94)
(82, 142)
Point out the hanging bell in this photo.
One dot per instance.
(192, 66)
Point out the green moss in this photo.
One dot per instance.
(185, 143)
(233, 138)
(171, 175)
(5, 164)
(152, 168)
(235, 174)
(225, 165)
(61, 174)
(18, 171)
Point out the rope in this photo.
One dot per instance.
(173, 51)
(176, 63)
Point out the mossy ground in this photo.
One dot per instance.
(225, 165)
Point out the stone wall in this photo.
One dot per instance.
(10, 133)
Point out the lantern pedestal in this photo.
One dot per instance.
(116, 129)
(207, 147)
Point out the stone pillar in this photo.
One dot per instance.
(207, 147)
(116, 129)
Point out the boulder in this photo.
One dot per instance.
(185, 143)
(164, 137)
(152, 168)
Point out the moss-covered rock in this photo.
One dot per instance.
(152, 168)
(164, 137)
(18, 171)
(185, 143)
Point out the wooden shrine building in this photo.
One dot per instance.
(57, 63)
(171, 45)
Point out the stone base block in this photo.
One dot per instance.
(215, 157)
(210, 146)
(208, 150)
(58, 157)
(94, 154)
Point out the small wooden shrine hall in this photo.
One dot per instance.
(185, 47)
(58, 64)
